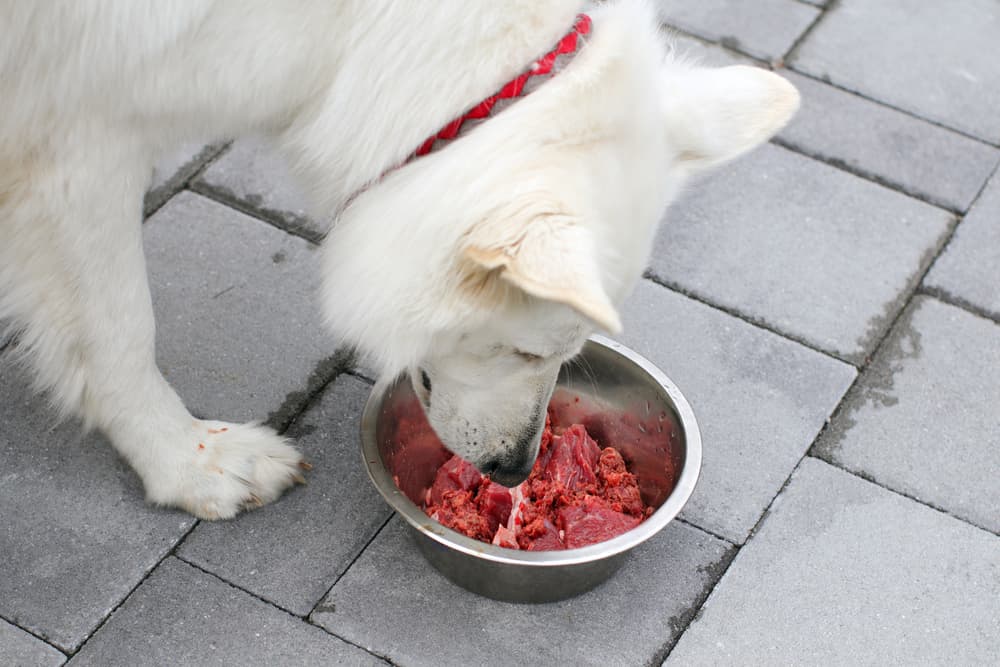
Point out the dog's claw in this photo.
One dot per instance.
(253, 502)
(305, 465)
(298, 478)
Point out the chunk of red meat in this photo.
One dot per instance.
(494, 503)
(618, 485)
(591, 522)
(540, 535)
(458, 510)
(648, 444)
(574, 456)
(455, 474)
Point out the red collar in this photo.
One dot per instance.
(540, 70)
(524, 83)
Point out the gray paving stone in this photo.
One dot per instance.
(393, 602)
(364, 371)
(238, 333)
(804, 248)
(181, 616)
(969, 268)
(935, 59)
(923, 418)
(19, 649)
(765, 29)
(759, 399)
(891, 147)
(76, 535)
(292, 552)
(843, 572)
(253, 176)
(173, 170)
(706, 53)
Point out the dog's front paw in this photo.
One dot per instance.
(227, 468)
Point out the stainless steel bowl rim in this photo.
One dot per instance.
(451, 539)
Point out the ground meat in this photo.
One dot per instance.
(577, 494)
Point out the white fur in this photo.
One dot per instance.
(483, 265)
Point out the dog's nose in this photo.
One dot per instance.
(513, 466)
(508, 476)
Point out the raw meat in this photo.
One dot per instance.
(466, 501)
(593, 521)
(577, 494)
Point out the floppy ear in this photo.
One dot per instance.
(553, 258)
(715, 115)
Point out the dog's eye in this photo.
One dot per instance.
(528, 356)
(425, 380)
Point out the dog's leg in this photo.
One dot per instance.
(73, 281)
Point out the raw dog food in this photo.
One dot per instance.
(577, 494)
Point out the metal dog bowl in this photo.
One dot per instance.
(606, 382)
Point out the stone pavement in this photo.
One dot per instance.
(829, 305)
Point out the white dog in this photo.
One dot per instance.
(479, 268)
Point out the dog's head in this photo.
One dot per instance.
(483, 267)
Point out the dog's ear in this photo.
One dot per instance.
(553, 258)
(715, 115)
